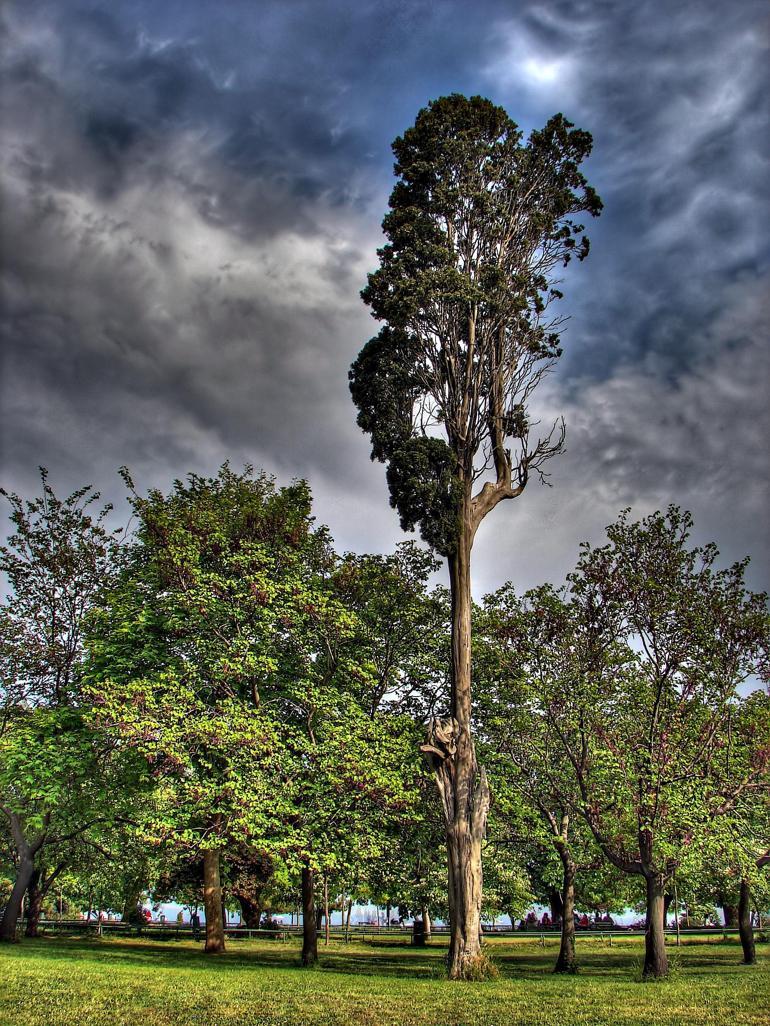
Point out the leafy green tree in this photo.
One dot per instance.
(478, 225)
(180, 880)
(523, 669)
(653, 643)
(58, 776)
(412, 874)
(228, 660)
(251, 874)
(738, 846)
(402, 630)
(403, 639)
(358, 782)
(201, 649)
(58, 559)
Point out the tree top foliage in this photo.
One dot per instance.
(57, 560)
(478, 223)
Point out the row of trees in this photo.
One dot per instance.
(221, 700)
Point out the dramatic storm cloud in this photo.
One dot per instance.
(193, 197)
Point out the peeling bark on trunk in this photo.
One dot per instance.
(744, 925)
(34, 904)
(465, 798)
(655, 957)
(309, 931)
(461, 782)
(567, 962)
(212, 902)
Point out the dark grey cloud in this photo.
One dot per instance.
(193, 199)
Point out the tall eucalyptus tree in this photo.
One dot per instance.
(479, 224)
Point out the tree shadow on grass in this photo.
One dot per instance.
(172, 955)
(613, 965)
(368, 960)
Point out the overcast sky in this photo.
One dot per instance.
(192, 199)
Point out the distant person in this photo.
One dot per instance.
(179, 918)
(195, 923)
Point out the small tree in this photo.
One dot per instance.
(653, 644)
(738, 849)
(57, 779)
(525, 663)
(478, 225)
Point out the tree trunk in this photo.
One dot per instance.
(13, 908)
(730, 913)
(212, 903)
(465, 882)
(133, 895)
(655, 957)
(34, 904)
(326, 911)
(461, 782)
(347, 918)
(566, 962)
(556, 901)
(251, 912)
(309, 931)
(744, 925)
(667, 899)
(676, 916)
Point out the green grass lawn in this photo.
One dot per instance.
(77, 982)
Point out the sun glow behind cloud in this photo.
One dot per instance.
(523, 63)
(544, 71)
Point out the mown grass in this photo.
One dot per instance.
(69, 982)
